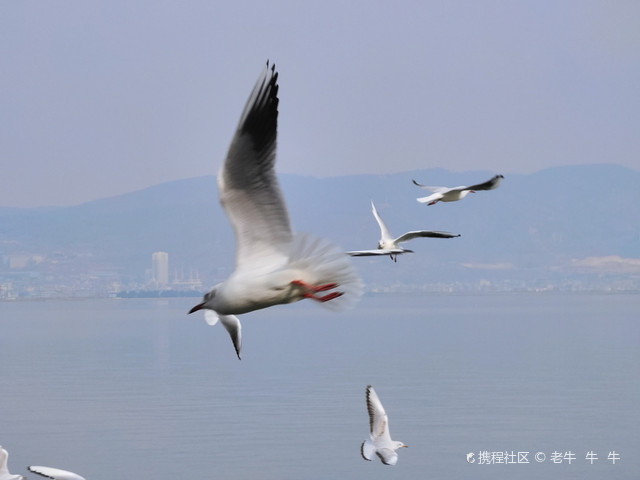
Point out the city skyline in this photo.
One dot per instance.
(526, 235)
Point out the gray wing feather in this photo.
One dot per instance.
(488, 185)
(247, 184)
(425, 233)
(377, 416)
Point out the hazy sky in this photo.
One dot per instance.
(102, 98)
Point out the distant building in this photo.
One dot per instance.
(160, 268)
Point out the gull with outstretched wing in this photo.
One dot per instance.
(379, 442)
(274, 265)
(390, 245)
(453, 194)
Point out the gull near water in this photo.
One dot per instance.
(388, 245)
(453, 194)
(379, 442)
(274, 265)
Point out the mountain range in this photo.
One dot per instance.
(564, 226)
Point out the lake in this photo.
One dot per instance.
(527, 383)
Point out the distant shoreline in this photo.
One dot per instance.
(171, 294)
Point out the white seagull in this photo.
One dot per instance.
(4, 470)
(453, 194)
(379, 442)
(55, 473)
(273, 264)
(388, 245)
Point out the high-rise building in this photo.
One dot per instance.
(160, 268)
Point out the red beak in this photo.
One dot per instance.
(200, 306)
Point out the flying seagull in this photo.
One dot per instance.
(4, 470)
(55, 473)
(379, 442)
(387, 245)
(273, 264)
(453, 194)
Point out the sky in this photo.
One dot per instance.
(103, 98)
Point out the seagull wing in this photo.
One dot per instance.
(488, 185)
(367, 450)
(432, 188)
(55, 473)
(431, 198)
(232, 324)
(425, 233)
(378, 422)
(378, 251)
(247, 183)
(387, 456)
(385, 234)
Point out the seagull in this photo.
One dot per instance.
(55, 473)
(453, 194)
(387, 245)
(379, 442)
(274, 265)
(4, 470)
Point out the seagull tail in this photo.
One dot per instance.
(321, 262)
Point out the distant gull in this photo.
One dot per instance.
(55, 473)
(446, 194)
(273, 264)
(387, 245)
(4, 470)
(379, 442)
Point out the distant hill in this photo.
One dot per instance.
(558, 226)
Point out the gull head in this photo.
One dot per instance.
(208, 301)
(397, 445)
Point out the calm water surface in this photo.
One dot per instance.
(117, 389)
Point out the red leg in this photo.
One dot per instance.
(311, 290)
(330, 296)
(325, 287)
(315, 288)
(326, 298)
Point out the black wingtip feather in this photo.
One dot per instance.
(362, 451)
(38, 473)
(370, 408)
(260, 117)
